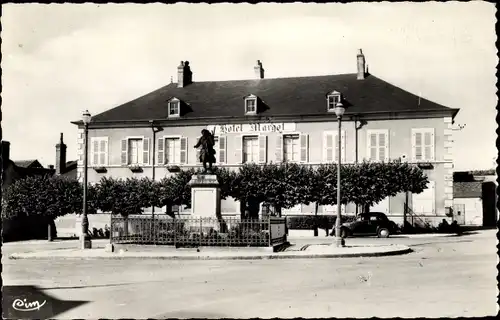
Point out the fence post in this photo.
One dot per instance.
(175, 232)
(201, 230)
(111, 228)
(269, 228)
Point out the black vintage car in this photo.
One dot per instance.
(369, 224)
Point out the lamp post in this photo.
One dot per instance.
(85, 241)
(339, 112)
(155, 129)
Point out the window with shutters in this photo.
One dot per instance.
(135, 151)
(250, 149)
(378, 145)
(423, 144)
(291, 148)
(99, 151)
(172, 150)
(331, 150)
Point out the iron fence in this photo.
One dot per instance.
(191, 232)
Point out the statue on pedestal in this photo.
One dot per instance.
(207, 152)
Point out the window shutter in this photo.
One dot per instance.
(304, 148)
(413, 145)
(106, 152)
(198, 151)
(102, 151)
(222, 149)
(418, 145)
(372, 146)
(279, 148)
(262, 149)
(124, 149)
(161, 151)
(239, 149)
(429, 144)
(386, 139)
(93, 151)
(328, 146)
(342, 147)
(145, 150)
(381, 147)
(183, 155)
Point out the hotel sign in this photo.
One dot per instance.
(253, 128)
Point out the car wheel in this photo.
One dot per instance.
(383, 233)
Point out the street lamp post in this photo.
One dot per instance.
(339, 112)
(85, 241)
(155, 129)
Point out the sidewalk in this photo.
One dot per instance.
(312, 251)
(309, 234)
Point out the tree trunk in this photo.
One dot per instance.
(316, 207)
(405, 211)
(243, 205)
(278, 211)
(49, 232)
(366, 208)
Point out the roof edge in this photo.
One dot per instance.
(379, 115)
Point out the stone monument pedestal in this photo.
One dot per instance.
(205, 196)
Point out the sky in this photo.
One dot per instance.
(61, 59)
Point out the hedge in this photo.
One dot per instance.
(309, 222)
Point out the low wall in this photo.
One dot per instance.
(70, 225)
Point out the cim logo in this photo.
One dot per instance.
(24, 305)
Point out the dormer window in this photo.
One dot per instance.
(174, 108)
(332, 99)
(251, 104)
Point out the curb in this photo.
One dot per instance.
(275, 256)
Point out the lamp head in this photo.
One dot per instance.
(86, 117)
(339, 110)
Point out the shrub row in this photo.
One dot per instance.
(280, 185)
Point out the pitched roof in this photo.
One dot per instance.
(298, 96)
(471, 189)
(28, 163)
(70, 169)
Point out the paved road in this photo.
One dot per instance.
(444, 277)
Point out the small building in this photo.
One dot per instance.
(15, 170)
(475, 199)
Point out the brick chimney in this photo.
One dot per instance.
(361, 65)
(60, 156)
(259, 70)
(184, 74)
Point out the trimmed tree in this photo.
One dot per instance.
(125, 197)
(40, 199)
